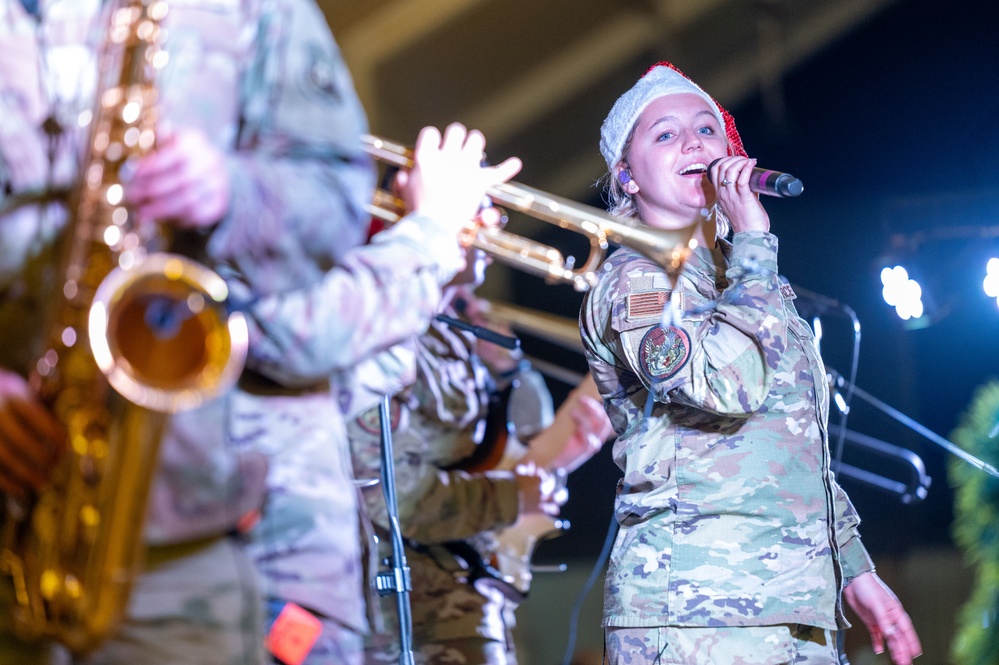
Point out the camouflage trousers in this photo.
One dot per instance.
(750, 645)
(468, 651)
(194, 604)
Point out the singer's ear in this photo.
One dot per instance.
(624, 177)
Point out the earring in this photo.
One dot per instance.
(624, 176)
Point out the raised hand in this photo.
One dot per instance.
(448, 181)
(742, 206)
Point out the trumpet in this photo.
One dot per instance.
(669, 249)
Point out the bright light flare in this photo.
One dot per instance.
(902, 293)
(991, 283)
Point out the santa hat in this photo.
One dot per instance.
(660, 80)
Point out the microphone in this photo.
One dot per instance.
(771, 183)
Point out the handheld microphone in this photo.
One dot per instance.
(771, 183)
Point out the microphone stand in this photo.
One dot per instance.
(397, 578)
(921, 429)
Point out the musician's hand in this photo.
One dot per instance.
(886, 620)
(448, 182)
(593, 428)
(580, 429)
(184, 181)
(30, 438)
(541, 492)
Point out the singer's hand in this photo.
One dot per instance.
(742, 206)
(882, 613)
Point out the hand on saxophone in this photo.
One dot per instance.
(183, 181)
(31, 439)
(448, 181)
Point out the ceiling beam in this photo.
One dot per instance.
(547, 86)
(383, 33)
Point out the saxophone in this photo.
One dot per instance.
(134, 335)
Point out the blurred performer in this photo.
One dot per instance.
(452, 501)
(307, 543)
(736, 544)
(259, 172)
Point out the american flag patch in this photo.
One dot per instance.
(786, 292)
(650, 303)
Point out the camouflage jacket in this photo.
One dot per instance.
(265, 82)
(306, 543)
(729, 514)
(437, 416)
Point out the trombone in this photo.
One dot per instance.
(667, 248)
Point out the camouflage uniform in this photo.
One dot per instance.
(263, 80)
(307, 544)
(728, 511)
(437, 421)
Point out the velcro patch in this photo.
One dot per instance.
(663, 352)
(293, 633)
(646, 304)
(786, 292)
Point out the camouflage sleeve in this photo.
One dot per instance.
(299, 177)
(602, 349)
(853, 556)
(379, 295)
(434, 505)
(735, 349)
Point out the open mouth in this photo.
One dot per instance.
(695, 169)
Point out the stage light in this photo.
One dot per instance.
(991, 283)
(902, 292)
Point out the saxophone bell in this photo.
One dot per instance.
(162, 335)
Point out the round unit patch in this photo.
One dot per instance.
(663, 352)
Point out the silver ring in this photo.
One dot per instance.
(890, 630)
(726, 182)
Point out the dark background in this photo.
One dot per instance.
(893, 130)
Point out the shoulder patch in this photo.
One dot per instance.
(647, 303)
(663, 352)
(786, 292)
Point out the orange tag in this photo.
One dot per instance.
(293, 633)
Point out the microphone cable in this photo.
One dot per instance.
(577, 606)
